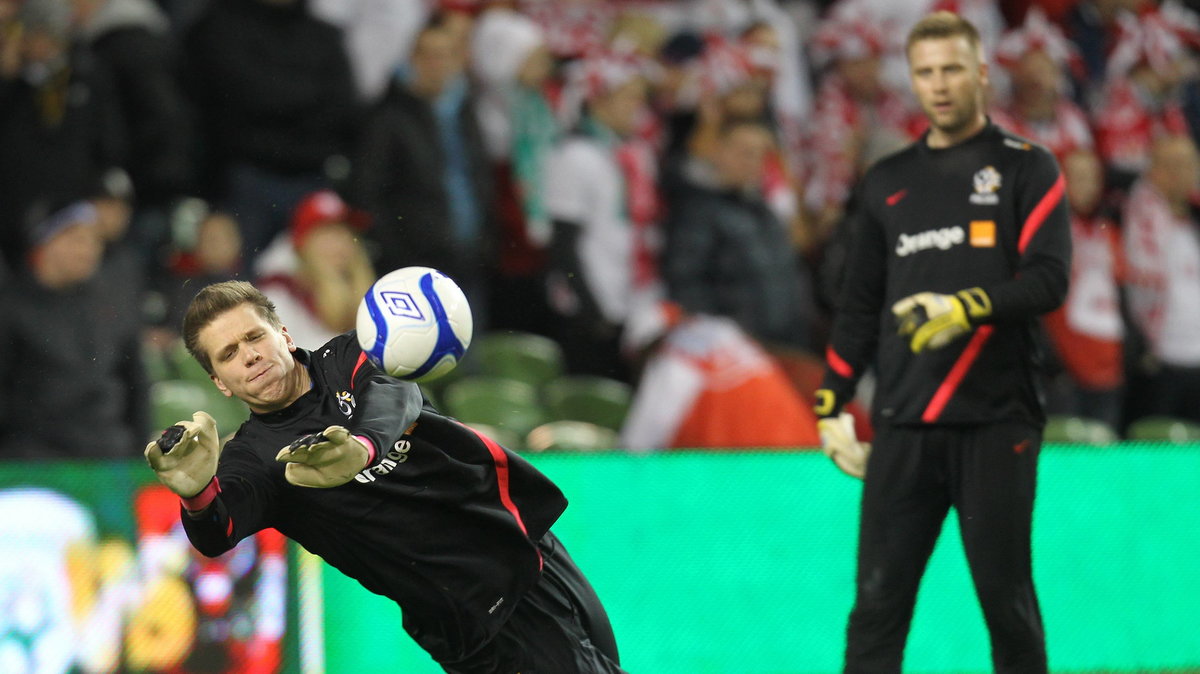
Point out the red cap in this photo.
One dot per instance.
(323, 207)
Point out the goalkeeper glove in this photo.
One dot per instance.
(838, 439)
(185, 457)
(932, 320)
(840, 443)
(326, 459)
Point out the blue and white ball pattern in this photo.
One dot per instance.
(414, 324)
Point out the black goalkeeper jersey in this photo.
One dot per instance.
(445, 522)
(989, 212)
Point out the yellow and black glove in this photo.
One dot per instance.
(839, 441)
(185, 457)
(326, 459)
(932, 320)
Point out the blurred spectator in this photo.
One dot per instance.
(317, 272)
(514, 69)
(122, 266)
(710, 385)
(278, 108)
(422, 172)
(133, 40)
(61, 127)
(734, 81)
(207, 249)
(1038, 58)
(572, 29)
(726, 252)
(457, 18)
(1092, 26)
(71, 372)
(855, 111)
(602, 198)
(1142, 93)
(765, 27)
(1162, 247)
(1087, 333)
(378, 36)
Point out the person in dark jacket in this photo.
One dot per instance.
(60, 125)
(727, 253)
(72, 381)
(422, 172)
(276, 105)
(961, 242)
(354, 466)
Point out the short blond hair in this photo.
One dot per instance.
(941, 25)
(214, 300)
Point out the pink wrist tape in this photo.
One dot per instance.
(200, 501)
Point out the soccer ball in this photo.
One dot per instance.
(414, 324)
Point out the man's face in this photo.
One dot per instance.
(619, 109)
(250, 359)
(435, 61)
(71, 256)
(949, 82)
(741, 156)
(1037, 81)
(1175, 167)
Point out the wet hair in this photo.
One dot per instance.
(942, 25)
(214, 300)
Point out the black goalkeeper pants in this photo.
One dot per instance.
(560, 627)
(914, 476)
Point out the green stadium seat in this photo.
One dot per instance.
(229, 413)
(1068, 429)
(184, 366)
(598, 400)
(174, 400)
(566, 435)
(523, 356)
(494, 401)
(504, 436)
(156, 364)
(1164, 429)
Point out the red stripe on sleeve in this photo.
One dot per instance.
(1036, 217)
(500, 459)
(837, 364)
(950, 384)
(362, 358)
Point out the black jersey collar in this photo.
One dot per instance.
(304, 405)
(987, 131)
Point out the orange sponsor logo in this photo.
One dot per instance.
(983, 233)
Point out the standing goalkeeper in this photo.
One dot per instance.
(417, 507)
(961, 243)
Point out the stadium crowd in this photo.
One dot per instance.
(661, 186)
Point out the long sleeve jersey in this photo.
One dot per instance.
(988, 212)
(444, 522)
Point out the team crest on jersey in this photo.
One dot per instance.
(987, 183)
(345, 402)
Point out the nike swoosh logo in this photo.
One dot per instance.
(895, 198)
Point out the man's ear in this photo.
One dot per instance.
(220, 386)
(287, 339)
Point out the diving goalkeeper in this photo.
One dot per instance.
(415, 506)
